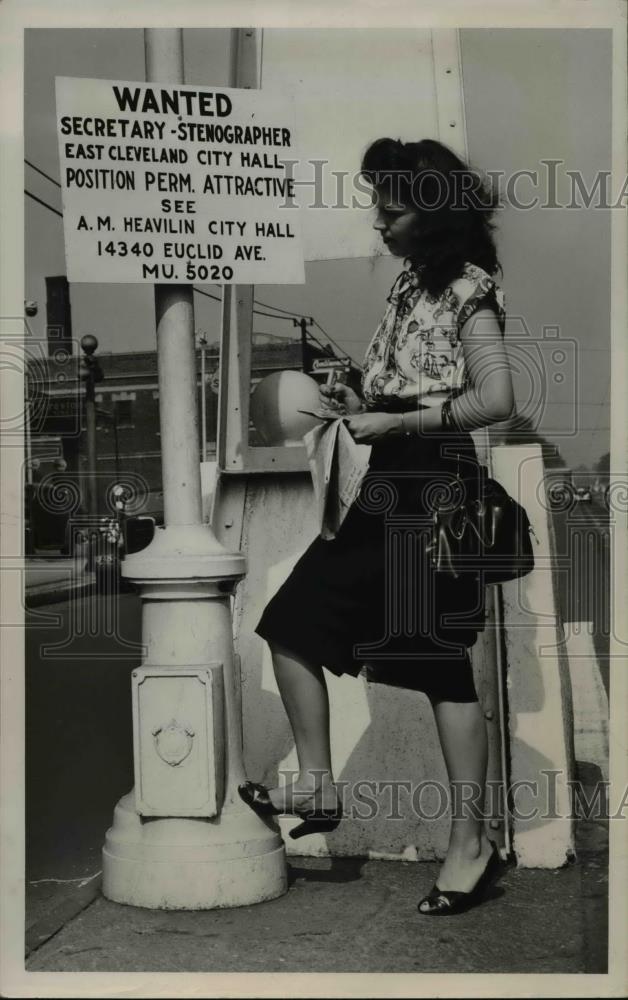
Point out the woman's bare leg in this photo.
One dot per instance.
(462, 731)
(304, 694)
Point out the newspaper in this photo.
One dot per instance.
(338, 466)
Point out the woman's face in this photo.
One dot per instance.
(397, 224)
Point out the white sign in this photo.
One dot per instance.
(177, 184)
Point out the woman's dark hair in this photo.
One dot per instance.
(453, 204)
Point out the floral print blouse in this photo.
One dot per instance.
(416, 351)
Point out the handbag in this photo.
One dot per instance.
(485, 532)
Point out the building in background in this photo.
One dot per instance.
(128, 435)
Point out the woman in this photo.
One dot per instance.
(435, 369)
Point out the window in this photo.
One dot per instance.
(123, 410)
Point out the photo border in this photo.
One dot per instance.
(15, 16)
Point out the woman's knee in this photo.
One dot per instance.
(442, 697)
(279, 649)
(281, 654)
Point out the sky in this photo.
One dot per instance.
(555, 265)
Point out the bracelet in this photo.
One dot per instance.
(403, 426)
(446, 417)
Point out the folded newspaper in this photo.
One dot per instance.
(338, 466)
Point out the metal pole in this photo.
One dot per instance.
(90, 423)
(27, 431)
(203, 343)
(303, 326)
(115, 439)
(494, 594)
(178, 413)
(89, 344)
(31, 310)
(28, 506)
(174, 308)
(503, 713)
(163, 54)
(303, 323)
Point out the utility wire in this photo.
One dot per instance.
(44, 203)
(323, 347)
(42, 172)
(276, 336)
(288, 313)
(336, 345)
(285, 319)
(277, 309)
(257, 312)
(266, 305)
(208, 295)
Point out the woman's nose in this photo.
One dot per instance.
(379, 224)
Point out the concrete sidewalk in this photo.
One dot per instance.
(347, 915)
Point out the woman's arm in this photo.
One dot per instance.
(491, 396)
(489, 399)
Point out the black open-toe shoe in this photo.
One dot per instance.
(314, 820)
(443, 902)
(256, 796)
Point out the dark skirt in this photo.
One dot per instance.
(369, 597)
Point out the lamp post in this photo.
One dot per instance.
(110, 415)
(31, 309)
(27, 428)
(91, 373)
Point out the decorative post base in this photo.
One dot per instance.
(192, 864)
(183, 839)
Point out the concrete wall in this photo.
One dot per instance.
(379, 733)
(382, 734)
(538, 686)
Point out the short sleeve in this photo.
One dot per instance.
(476, 290)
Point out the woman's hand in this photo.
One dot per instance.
(341, 397)
(367, 428)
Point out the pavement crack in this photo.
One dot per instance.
(175, 930)
(311, 934)
(66, 950)
(69, 908)
(82, 880)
